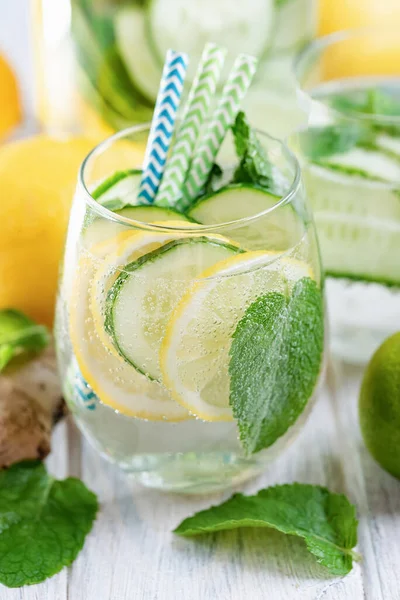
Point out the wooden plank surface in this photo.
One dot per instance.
(132, 555)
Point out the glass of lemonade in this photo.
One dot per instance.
(351, 162)
(190, 344)
(99, 62)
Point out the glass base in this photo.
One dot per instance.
(361, 316)
(193, 473)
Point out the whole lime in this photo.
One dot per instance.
(379, 405)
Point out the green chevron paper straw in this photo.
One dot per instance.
(238, 83)
(196, 109)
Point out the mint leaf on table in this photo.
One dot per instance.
(326, 521)
(276, 357)
(19, 334)
(43, 523)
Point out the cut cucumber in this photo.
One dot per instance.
(360, 248)
(122, 185)
(143, 298)
(330, 190)
(187, 26)
(132, 40)
(278, 230)
(370, 164)
(103, 229)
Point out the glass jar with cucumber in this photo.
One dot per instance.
(351, 161)
(191, 340)
(99, 62)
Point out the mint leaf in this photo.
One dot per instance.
(326, 521)
(318, 142)
(370, 102)
(19, 334)
(43, 523)
(213, 178)
(254, 165)
(276, 356)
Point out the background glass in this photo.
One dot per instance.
(191, 455)
(351, 160)
(99, 61)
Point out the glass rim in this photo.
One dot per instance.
(186, 226)
(328, 41)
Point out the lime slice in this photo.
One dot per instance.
(114, 381)
(194, 355)
(144, 295)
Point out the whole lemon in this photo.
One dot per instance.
(10, 112)
(37, 180)
(379, 405)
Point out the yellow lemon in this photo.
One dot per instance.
(377, 53)
(10, 112)
(37, 180)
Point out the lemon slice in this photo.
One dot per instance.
(124, 248)
(115, 382)
(194, 355)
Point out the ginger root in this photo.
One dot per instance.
(31, 403)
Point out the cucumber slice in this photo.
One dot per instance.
(370, 164)
(278, 230)
(132, 40)
(330, 190)
(122, 185)
(360, 248)
(143, 298)
(118, 193)
(186, 26)
(102, 229)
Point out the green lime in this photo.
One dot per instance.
(379, 405)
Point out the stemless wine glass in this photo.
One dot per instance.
(351, 163)
(147, 311)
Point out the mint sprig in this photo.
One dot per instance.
(320, 142)
(19, 334)
(43, 523)
(254, 166)
(326, 521)
(276, 356)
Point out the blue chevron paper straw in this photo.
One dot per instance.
(77, 388)
(235, 89)
(162, 125)
(196, 109)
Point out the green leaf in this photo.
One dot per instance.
(213, 178)
(276, 356)
(19, 334)
(43, 523)
(371, 102)
(326, 521)
(318, 142)
(254, 165)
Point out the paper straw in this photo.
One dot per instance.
(196, 109)
(238, 83)
(79, 389)
(162, 126)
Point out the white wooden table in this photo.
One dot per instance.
(131, 553)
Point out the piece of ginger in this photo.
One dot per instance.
(31, 403)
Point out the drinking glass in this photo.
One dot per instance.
(147, 310)
(350, 156)
(99, 62)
